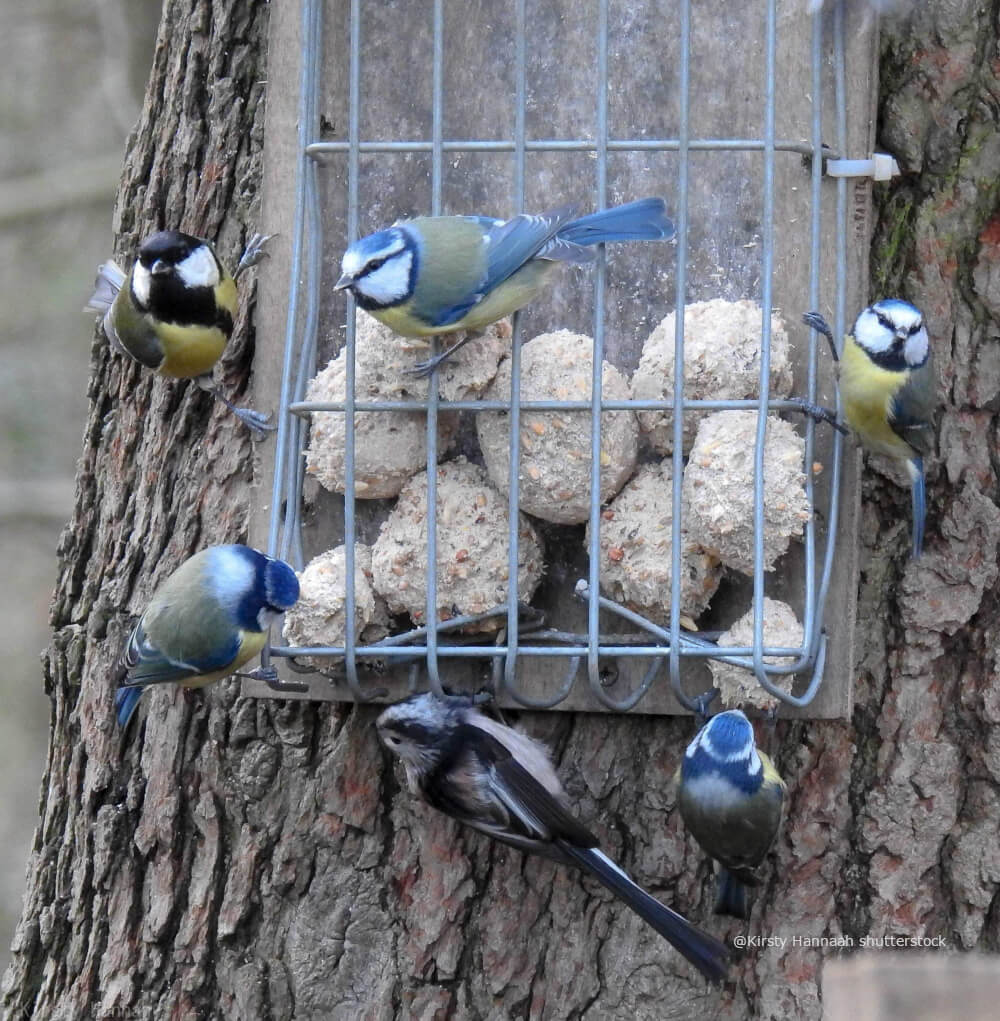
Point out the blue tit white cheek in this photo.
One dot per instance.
(199, 269)
(140, 284)
(916, 348)
(871, 334)
(390, 282)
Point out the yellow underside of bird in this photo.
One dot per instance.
(251, 643)
(189, 351)
(515, 292)
(868, 391)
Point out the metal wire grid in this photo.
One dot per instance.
(670, 645)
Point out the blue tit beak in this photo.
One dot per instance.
(160, 268)
(343, 283)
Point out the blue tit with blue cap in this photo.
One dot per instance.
(438, 274)
(174, 310)
(204, 622)
(732, 799)
(886, 381)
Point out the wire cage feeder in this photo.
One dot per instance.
(387, 124)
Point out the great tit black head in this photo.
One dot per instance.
(174, 280)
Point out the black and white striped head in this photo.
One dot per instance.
(175, 277)
(419, 729)
(725, 747)
(892, 333)
(380, 270)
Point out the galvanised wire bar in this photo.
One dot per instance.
(677, 465)
(317, 150)
(668, 645)
(507, 680)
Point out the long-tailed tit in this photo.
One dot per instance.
(501, 782)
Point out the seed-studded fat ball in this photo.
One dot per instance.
(738, 686)
(391, 446)
(320, 615)
(636, 533)
(722, 342)
(472, 526)
(718, 488)
(554, 476)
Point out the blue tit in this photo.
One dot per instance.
(204, 622)
(731, 798)
(173, 312)
(886, 379)
(438, 274)
(501, 782)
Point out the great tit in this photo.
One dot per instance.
(173, 312)
(204, 622)
(501, 782)
(886, 379)
(731, 798)
(438, 274)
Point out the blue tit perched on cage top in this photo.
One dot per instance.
(731, 798)
(204, 622)
(174, 310)
(501, 782)
(886, 379)
(438, 274)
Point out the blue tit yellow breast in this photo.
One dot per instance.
(867, 391)
(515, 292)
(251, 643)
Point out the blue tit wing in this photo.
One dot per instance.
(911, 415)
(509, 245)
(911, 409)
(144, 663)
(512, 243)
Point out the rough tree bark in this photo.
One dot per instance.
(248, 859)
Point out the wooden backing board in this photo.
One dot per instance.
(725, 236)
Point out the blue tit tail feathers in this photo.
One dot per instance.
(705, 952)
(642, 220)
(110, 278)
(731, 896)
(126, 701)
(918, 489)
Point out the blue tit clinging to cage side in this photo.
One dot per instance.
(438, 274)
(731, 798)
(174, 310)
(501, 782)
(204, 622)
(886, 381)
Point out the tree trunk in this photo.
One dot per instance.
(256, 859)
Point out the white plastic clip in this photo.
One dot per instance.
(881, 167)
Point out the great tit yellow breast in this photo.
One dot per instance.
(868, 391)
(189, 351)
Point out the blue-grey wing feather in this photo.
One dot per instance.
(144, 663)
(512, 243)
